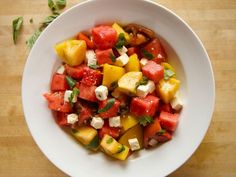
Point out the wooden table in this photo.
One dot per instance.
(215, 23)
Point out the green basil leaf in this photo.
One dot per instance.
(122, 148)
(30, 42)
(93, 66)
(113, 57)
(16, 26)
(71, 82)
(61, 3)
(143, 81)
(74, 93)
(48, 20)
(147, 54)
(161, 132)
(108, 106)
(168, 74)
(121, 41)
(144, 120)
(94, 143)
(109, 141)
(52, 5)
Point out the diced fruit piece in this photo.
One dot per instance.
(120, 30)
(163, 137)
(150, 131)
(133, 64)
(87, 92)
(167, 66)
(134, 132)
(123, 154)
(128, 121)
(111, 112)
(61, 118)
(128, 82)
(56, 102)
(134, 50)
(101, 92)
(169, 121)
(112, 131)
(84, 134)
(59, 82)
(97, 122)
(114, 121)
(134, 144)
(75, 72)
(84, 114)
(144, 106)
(89, 43)
(104, 56)
(153, 71)
(104, 37)
(165, 107)
(137, 39)
(167, 89)
(91, 77)
(155, 49)
(110, 145)
(111, 74)
(122, 60)
(72, 52)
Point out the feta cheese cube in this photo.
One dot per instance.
(61, 69)
(143, 61)
(114, 121)
(97, 122)
(134, 144)
(67, 95)
(142, 91)
(176, 103)
(152, 142)
(72, 118)
(122, 60)
(101, 92)
(123, 50)
(151, 86)
(91, 57)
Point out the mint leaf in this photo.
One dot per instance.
(61, 3)
(74, 94)
(93, 66)
(71, 82)
(168, 74)
(109, 141)
(122, 148)
(48, 20)
(52, 5)
(30, 42)
(143, 81)
(113, 57)
(161, 132)
(16, 26)
(94, 143)
(144, 120)
(108, 106)
(147, 54)
(121, 41)
(113, 85)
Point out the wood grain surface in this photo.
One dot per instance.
(215, 23)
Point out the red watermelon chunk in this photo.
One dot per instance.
(58, 82)
(168, 120)
(75, 72)
(61, 118)
(112, 112)
(153, 71)
(87, 92)
(91, 77)
(104, 56)
(106, 129)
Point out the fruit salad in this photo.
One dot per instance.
(115, 90)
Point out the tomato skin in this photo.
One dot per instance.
(56, 102)
(75, 72)
(153, 71)
(87, 92)
(61, 118)
(112, 112)
(91, 77)
(104, 56)
(112, 131)
(144, 106)
(169, 121)
(89, 43)
(156, 49)
(58, 82)
(150, 131)
(104, 37)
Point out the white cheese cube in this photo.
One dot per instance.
(61, 69)
(123, 50)
(176, 103)
(152, 142)
(143, 61)
(122, 60)
(142, 91)
(72, 118)
(67, 95)
(101, 92)
(91, 57)
(151, 86)
(97, 122)
(114, 121)
(134, 144)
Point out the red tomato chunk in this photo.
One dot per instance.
(144, 106)
(59, 83)
(112, 112)
(104, 37)
(104, 56)
(153, 71)
(168, 120)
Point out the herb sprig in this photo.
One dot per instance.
(16, 26)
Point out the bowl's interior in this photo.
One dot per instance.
(193, 69)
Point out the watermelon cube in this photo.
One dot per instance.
(153, 71)
(168, 120)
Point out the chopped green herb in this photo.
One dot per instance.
(122, 148)
(71, 82)
(147, 54)
(48, 20)
(16, 26)
(143, 81)
(123, 109)
(30, 42)
(168, 74)
(109, 141)
(52, 5)
(121, 41)
(113, 57)
(161, 132)
(108, 106)
(61, 3)
(93, 66)
(74, 131)
(74, 94)
(144, 120)
(78, 111)
(113, 85)
(94, 143)
(31, 20)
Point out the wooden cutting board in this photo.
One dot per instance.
(215, 23)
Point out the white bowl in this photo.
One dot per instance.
(193, 68)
